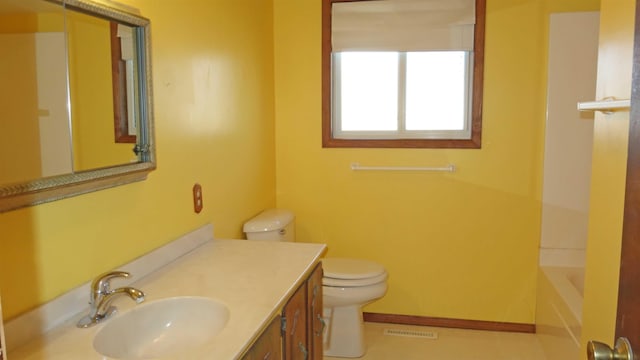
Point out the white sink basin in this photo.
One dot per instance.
(162, 328)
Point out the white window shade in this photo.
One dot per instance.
(403, 25)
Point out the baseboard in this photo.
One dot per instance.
(449, 323)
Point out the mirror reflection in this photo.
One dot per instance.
(91, 88)
(34, 122)
(39, 137)
(75, 102)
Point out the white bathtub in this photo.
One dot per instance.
(559, 311)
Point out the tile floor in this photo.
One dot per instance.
(451, 344)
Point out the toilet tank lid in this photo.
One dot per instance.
(269, 220)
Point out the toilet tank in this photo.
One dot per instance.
(271, 225)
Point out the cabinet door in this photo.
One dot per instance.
(315, 321)
(3, 346)
(268, 346)
(295, 326)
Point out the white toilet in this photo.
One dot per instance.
(348, 284)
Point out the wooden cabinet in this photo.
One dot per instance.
(294, 337)
(315, 322)
(302, 337)
(3, 343)
(297, 334)
(268, 346)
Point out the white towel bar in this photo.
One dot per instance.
(606, 105)
(358, 167)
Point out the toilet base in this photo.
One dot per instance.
(344, 334)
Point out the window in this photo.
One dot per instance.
(123, 71)
(402, 73)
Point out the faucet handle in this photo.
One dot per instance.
(100, 284)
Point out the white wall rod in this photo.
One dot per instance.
(606, 105)
(357, 167)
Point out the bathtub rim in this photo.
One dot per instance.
(557, 276)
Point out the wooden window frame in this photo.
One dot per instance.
(328, 141)
(118, 77)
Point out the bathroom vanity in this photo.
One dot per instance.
(272, 291)
(296, 333)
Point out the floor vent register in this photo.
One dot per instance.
(411, 333)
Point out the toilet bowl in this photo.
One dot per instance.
(347, 285)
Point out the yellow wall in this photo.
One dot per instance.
(19, 117)
(213, 85)
(19, 123)
(30, 23)
(91, 89)
(18, 23)
(461, 245)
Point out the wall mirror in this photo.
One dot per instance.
(76, 110)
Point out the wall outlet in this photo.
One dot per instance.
(197, 198)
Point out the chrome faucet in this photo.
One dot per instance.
(102, 296)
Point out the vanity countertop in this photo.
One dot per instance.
(253, 278)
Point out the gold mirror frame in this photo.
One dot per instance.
(53, 188)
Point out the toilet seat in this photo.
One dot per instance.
(344, 272)
(326, 281)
